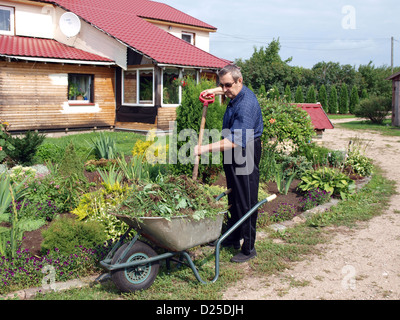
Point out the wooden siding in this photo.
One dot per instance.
(30, 100)
(164, 116)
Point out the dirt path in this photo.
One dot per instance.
(361, 263)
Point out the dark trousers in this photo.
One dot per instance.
(243, 179)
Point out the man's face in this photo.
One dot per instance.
(230, 87)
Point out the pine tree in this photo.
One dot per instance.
(354, 100)
(344, 99)
(323, 98)
(333, 107)
(288, 94)
(299, 98)
(311, 98)
(364, 94)
(262, 91)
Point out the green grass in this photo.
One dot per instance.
(386, 128)
(294, 244)
(82, 142)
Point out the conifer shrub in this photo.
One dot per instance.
(67, 234)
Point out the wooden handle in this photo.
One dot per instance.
(201, 133)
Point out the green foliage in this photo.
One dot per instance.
(374, 108)
(314, 197)
(344, 99)
(4, 143)
(331, 180)
(48, 152)
(311, 96)
(288, 94)
(171, 196)
(67, 234)
(323, 98)
(24, 148)
(71, 164)
(354, 100)
(285, 122)
(285, 211)
(282, 181)
(104, 146)
(299, 98)
(333, 103)
(189, 115)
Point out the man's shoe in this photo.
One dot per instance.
(241, 257)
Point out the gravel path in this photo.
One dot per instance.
(360, 263)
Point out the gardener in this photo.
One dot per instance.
(242, 128)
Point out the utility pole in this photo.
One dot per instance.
(392, 56)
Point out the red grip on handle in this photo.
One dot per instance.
(207, 99)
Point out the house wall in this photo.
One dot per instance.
(40, 20)
(202, 37)
(396, 102)
(35, 96)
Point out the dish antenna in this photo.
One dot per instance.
(70, 24)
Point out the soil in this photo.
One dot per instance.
(357, 264)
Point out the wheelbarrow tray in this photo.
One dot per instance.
(177, 233)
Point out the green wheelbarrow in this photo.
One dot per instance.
(134, 265)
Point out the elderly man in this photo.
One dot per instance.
(241, 146)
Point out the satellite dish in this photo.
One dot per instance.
(70, 24)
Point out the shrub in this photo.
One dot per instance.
(330, 180)
(67, 234)
(189, 115)
(374, 108)
(359, 164)
(48, 152)
(333, 103)
(22, 150)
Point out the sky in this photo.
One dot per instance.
(351, 32)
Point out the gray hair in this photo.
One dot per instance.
(233, 70)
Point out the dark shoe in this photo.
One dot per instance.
(241, 257)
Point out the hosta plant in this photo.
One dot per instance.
(331, 180)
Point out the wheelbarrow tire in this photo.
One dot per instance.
(137, 277)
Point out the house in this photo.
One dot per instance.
(68, 64)
(395, 99)
(318, 117)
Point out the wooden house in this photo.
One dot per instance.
(395, 99)
(68, 64)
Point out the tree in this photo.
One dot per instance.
(274, 93)
(311, 97)
(288, 94)
(344, 99)
(333, 106)
(354, 100)
(323, 98)
(299, 98)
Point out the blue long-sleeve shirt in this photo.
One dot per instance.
(243, 112)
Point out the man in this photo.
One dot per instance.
(242, 128)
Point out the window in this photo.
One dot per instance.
(188, 37)
(6, 20)
(138, 87)
(80, 88)
(173, 80)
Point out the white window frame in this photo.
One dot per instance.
(188, 34)
(137, 104)
(12, 21)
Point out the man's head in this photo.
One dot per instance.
(231, 80)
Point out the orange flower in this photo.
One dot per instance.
(272, 120)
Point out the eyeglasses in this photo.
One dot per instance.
(226, 85)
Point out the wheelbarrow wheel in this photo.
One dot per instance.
(138, 277)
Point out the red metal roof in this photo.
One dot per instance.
(317, 114)
(44, 48)
(122, 19)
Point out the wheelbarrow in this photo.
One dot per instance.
(134, 265)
